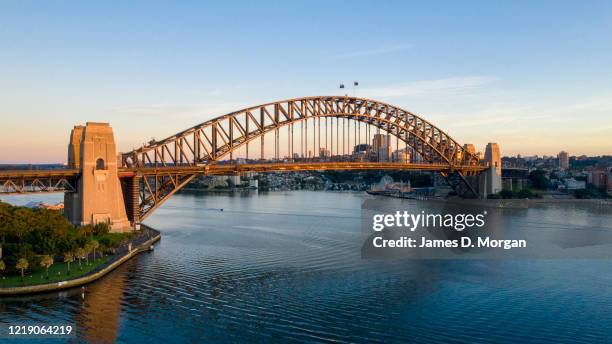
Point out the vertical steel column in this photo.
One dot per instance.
(196, 147)
(343, 136)
(262, 123)
(231, 139)
(214, 141)
(247, 135)
(306, 137)
(319, 151)
(337, 136)
(326, 146)
(397, 142)
(276, 133)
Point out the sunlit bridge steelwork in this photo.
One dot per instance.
(312, 133)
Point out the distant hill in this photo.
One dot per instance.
(32, 166)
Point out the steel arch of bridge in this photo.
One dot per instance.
(193, 151)
(214, 139)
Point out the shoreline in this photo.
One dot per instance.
(510, 203)
(92, 276)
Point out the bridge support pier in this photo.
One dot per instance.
(489, 182)
(98, 198)
(131, 187)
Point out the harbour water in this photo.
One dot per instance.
(286, 266)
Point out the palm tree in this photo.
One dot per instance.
(68, 258)
(87, 249)
(94, 245)
(2, 265)
(80, 254)
(22, 264)
(46, 262)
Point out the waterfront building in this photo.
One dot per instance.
(573, 184)
(599, 178)
(563, 158)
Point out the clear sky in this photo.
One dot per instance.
(534, 76)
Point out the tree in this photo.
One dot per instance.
(94, 244)
(539, 180)
(80, 254)
(46, 263)
(5, 218)
(22, 218)
(2, 265)
(525, 193)
(87, 249)
(22, 264)
(101, 228)
(68, 258)
(506, 194)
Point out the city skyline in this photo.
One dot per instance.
(530, 77)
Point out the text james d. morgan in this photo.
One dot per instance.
(406, 242)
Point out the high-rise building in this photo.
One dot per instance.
(563, 157)
(381, 145)
(401, 156)
(469, 148)
(323, 153)
(362, 147)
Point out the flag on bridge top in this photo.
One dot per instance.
(341, 85)
(356, 83)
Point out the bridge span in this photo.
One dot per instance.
(346, 133)
(62, 180)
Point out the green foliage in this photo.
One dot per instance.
(111, 241)
(101, 228)
(526, 193)
(523, 193)
(506, 194)
(57, 272)
(539, 180)
(46, 261)
(22, 265)
(33, 233)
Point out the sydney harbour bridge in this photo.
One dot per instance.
(313, 133)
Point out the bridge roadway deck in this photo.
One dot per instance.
(238, 168)
(15, 176)
(228, 169)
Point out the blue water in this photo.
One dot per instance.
(286, 267)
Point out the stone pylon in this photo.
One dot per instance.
(99, 198)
